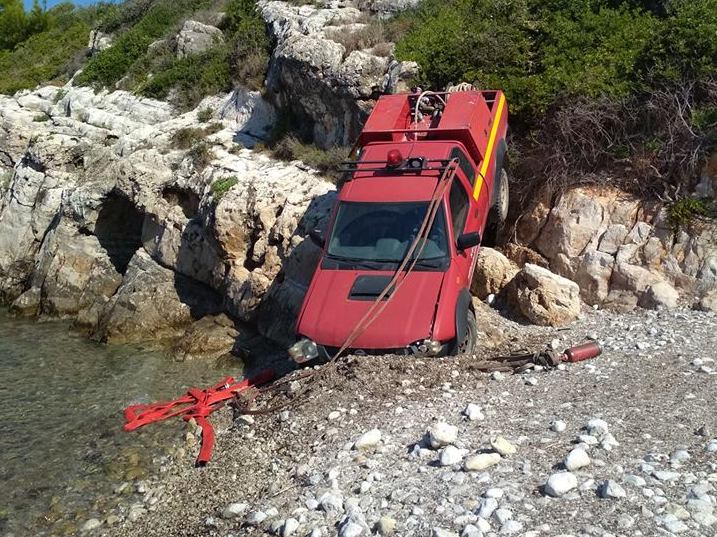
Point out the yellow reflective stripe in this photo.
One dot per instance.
(489, 149)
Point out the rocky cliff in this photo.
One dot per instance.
(109, 216)
(104, 221)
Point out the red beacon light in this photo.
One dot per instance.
(394, 158)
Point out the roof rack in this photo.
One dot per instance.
(353, 166)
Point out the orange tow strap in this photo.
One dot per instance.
(196, 404)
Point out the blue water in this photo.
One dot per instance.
(61, 401)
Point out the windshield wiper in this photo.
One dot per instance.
(358, 262)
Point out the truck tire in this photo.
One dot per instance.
(469, 339)
(498, 213)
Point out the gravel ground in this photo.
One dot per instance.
(390, 449)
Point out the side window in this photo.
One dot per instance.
(464, 165)
(459, 207)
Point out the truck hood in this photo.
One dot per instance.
(332, 309)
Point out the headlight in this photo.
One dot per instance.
(303, 351)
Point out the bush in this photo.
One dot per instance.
(686, 210)
(47, 56)
(593, 85)
(205, 115)
(221, 186)
(324, 160)
(192, 78)
(367, 37)
(201, 155)
(190, 136)
(110, 65)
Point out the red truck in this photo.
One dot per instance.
(425, 188)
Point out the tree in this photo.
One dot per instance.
(16, 25)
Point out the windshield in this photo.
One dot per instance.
(383, 232)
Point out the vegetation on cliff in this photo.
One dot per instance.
(627, 85)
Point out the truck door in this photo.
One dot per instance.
(460, 207)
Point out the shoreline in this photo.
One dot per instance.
(298, 473)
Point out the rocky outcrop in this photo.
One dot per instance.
(196, 37)
(619, 248)
(102, 220)
(544, 298)
(329, 90)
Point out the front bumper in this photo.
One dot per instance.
(424, 348)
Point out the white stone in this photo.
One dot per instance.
(597, 427)
(576, 459)
(90, 525)
(331, 503)
(481, 461)
(442, 434)
(334, 415)
(486, 508)
(511, 527)
(502, 446)
(290, 527)
(473, 412)
(611, 489)
(497, 375)
(368, 440)
(558, 426)
(234, 509)
(451, 455)
(665, 475)
(351, 529)
(256, 517)
(560, 483)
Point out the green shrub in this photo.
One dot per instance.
(41, 118)
(684, 211)
(16, 25)
(201, 155)
(42, 58)
(205, 115)
(192, 78)
(221, 186)
(324, 160)
(156, 19)
(187, 137)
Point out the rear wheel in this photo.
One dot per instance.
(498, 213)
(467, 343)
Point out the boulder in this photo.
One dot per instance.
(153, 303)
(210, 337)
(708, 302)
(196, 37)
(660, 295)
(492, 273)
(544, 298)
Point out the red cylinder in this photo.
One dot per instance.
(586, 351)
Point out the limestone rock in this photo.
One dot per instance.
(492, 273)
(660, 295)
(196, 37)
(212, 336)
(560, 483)
(311, 75)
(481, 461)
(153, 303)
(708, 302)
(545, 298)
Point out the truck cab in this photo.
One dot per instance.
(433, 160)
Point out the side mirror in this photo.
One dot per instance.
(468, 240)
(317, 238)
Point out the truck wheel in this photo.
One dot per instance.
(498, 213)
(468, 342)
